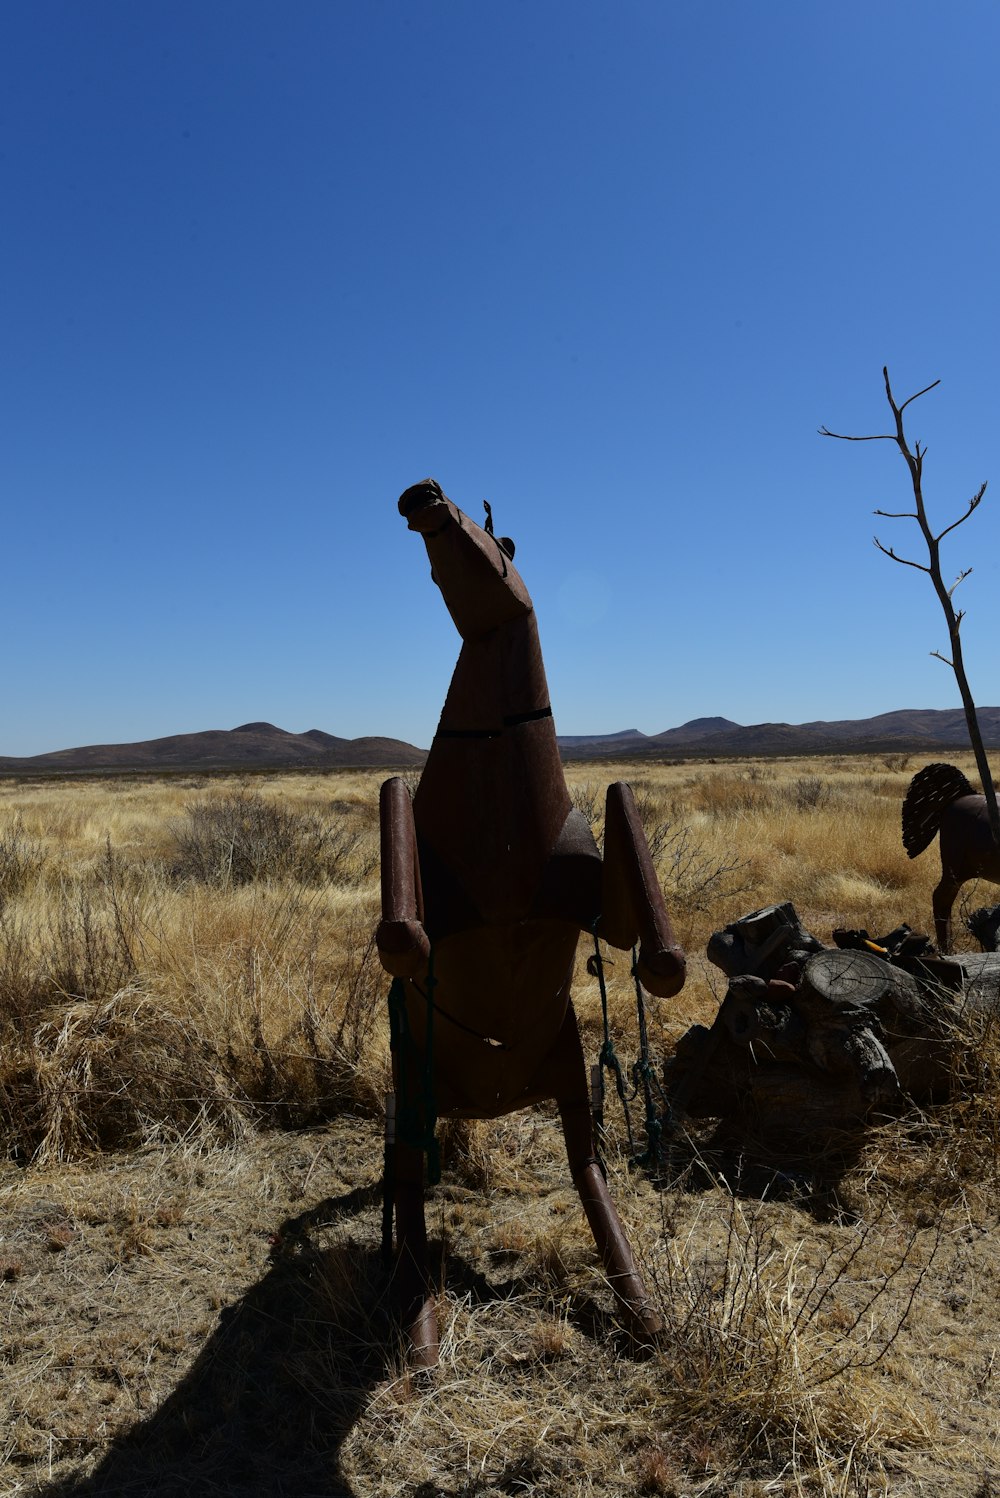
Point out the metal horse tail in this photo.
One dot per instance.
(931, 791)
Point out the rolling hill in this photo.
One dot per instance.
(264, 746)
(917, 730)
(251, 746)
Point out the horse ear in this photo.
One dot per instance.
(506, 545)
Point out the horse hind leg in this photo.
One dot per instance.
(414, 1292)
(613, 1246)
(588, 1178)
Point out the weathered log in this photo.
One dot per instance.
(981, 989)
(777, 1094)
(845, 985)
(758, 1014)
(855, 1035)
(762, 943)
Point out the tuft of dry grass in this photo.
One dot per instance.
(254, 946)
(108, 1074)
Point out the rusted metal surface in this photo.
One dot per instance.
(488, 878)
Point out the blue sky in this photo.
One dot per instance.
(608, 266)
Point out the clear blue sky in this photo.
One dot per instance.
(608, 266)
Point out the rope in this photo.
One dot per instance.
(388, 1177)
(644, 1076)
(642, 1073)
(608, 1059)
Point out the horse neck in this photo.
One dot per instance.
(492, 798)
(498, 681)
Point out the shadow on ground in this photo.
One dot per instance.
(268, 1403)
(267, 1406)
(749, 1165)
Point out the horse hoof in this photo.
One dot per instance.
(644, 1326)
(662, 972)
(422, 1336)
(403, 948)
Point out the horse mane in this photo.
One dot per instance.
(931, 790)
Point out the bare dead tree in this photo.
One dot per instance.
(915, 463)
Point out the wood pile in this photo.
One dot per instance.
(811, 1041)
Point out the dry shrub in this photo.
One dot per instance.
(695, 871)
(587, 797)
(108, 1074)
(91, 956)
(897, 761)
(307, 1045)
(948, 1155)
(772, 1352)
(86, 956)
(21, 860)
(241, 838)
(695, 876)
(810, 792)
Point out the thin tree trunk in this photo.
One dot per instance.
(953, 617)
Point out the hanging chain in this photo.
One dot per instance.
(608, 1059)
(643, 1074)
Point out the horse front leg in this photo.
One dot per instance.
(613, 1246)
(942, 901)
(414, 1292)
(633, 908)
(402, 942)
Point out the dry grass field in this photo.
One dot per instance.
(193, 1053)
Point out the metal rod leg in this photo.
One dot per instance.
(413, 1283)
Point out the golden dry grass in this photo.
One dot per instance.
(191, 1071)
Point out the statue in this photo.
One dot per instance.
(488, 877)
(941, 801)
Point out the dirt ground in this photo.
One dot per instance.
(189, 1319)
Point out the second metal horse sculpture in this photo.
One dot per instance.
(488, 877)
(941, 800)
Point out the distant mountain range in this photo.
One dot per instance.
(251, 746)
(913, 729)
(263, 746)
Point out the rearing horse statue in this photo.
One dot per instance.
(488, 877)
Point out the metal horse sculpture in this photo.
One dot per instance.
(488, 877)
(941, 800)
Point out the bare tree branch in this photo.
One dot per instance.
(842, 437)
(915, 463)
(912, 398)
(973, 505)
(903, 561)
